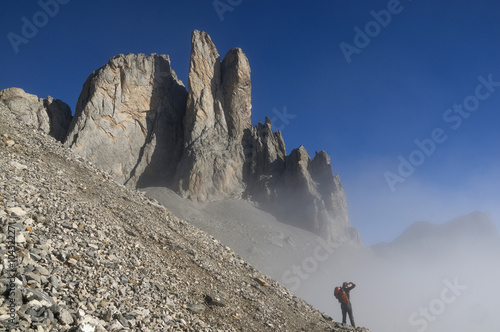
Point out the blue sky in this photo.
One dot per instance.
(366, 113)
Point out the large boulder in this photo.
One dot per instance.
(50, 115)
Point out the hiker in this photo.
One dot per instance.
(342, 294)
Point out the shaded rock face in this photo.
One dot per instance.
(129, 119)
(302, 191)
(50, 115)
(265, 154)
(217, 115)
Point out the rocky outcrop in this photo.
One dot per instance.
(302, 191)
(217, 115)
(50, 115)
(265, 153)
(135, 120)
(224, 157)
(129, 119)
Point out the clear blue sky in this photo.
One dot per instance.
(365, 113)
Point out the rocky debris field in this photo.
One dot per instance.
(83, 253)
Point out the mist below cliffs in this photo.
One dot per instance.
(432, 278)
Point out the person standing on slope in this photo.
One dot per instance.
(343, 295)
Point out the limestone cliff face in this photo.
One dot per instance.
(217, 114)
(129, 119)
(50, 115)
(136, 120)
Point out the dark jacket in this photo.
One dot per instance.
(347, 291)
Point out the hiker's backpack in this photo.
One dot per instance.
(341, 295)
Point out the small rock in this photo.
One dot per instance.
(169, 302)
(325, 316)
(54, 281)
(17, 211)
(261, 282)
(118, 316)
(17, 296)
(215, 300)
(108, 316)
(65, 317)
(43, 271)
(33, 294)
(18, 165)
(104, 304)
(115, 326)
(72, 261)
(196, 308)
(20, 238)
(32, 276)
(290, 241)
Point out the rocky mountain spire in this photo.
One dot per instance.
(135, 120)
(217, 115)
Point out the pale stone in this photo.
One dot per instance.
(17, 211)
(49, 115)
(217, 117)
(128, 119)
(18, 165)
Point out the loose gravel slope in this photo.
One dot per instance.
(91, 255)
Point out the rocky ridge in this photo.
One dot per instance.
(470, 235)
(92, 255)
(136, 120)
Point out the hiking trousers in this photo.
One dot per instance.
(347, 309)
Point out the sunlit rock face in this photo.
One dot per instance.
(217, 116)
(136, 120)
(129, 119)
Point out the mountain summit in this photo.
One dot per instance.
(136, 120)
(468, 235)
